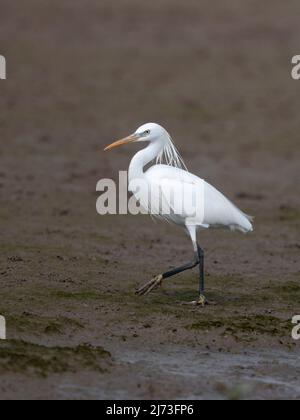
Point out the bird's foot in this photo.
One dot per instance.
(202, 301)
(150, 286)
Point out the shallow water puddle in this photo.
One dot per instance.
(191, 374)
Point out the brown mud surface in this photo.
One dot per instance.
(82, 73)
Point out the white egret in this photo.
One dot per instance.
(171, 176)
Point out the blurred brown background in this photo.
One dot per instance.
(217, 75)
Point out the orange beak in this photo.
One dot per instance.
(127, 140)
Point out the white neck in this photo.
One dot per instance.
(142, 158)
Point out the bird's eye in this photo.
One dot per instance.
(147, 132)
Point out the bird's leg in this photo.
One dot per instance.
(202, 299)
(157, 281)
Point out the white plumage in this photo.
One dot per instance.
(168, 179)
(218, 210)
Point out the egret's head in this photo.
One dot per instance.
(154, 133)
(150, 132)
(146, 133)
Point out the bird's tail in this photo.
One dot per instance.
(245, 224)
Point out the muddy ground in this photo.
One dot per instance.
(82, 73)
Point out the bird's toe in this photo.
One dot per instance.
(150, 286)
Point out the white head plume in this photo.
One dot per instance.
(169, 154)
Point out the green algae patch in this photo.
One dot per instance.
(20, 356)
(37, 324)
(289, 291)
(252, 324)
(76, 295)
